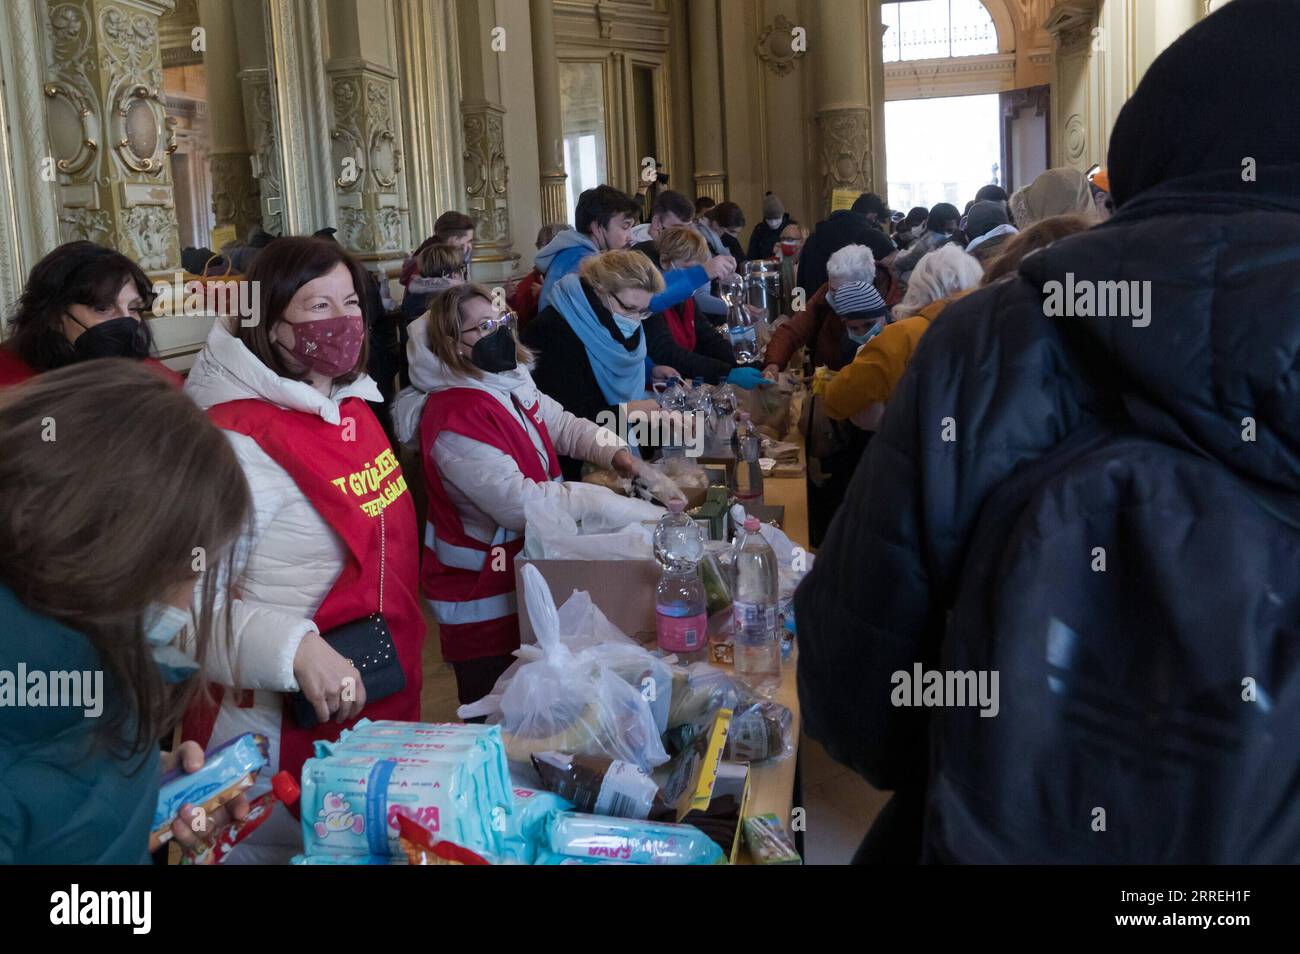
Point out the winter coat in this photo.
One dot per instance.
(1103, 511)
(874, 372)
(65, 798)
(819, 319)
(485, 484)
(908, 260)
(762, 241)
(289, 561)
(832, 234)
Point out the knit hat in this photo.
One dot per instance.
(857, 301)
(1184, 119)
(984, 215)
(773, 208)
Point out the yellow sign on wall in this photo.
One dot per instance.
(843, 199)
(222, 235)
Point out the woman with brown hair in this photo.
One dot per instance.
(81, 301)
(117, 491)
(332, 554)
(490, 444)
(591, 351)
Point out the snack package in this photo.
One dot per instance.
(352, 799)
(623, 839)
(283, 789)
(768, 842)
(525, 833)
(227, 770)
(600, 786)
(760, 731)
(421, 846)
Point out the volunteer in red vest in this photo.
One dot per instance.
(489, 442)
(334, 538)
(81, 301)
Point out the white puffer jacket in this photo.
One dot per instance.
(285, 565)
(485, 484)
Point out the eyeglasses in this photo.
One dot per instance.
(629, 311)
(490, 326)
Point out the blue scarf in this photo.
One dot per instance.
(620, 373)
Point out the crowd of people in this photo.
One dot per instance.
(204, 539)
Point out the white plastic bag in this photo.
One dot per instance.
(616, 533)
(577, 700)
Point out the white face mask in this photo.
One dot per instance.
(774, 223)
(162, 624)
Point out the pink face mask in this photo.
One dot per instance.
(328, 346)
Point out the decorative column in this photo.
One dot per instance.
(29, 198)
(364, 133)
(550, 127)
(487, 199)
(236, 197)
(301, 108)
(428, 71)
(843, 116)
(706, 101)
(261, 127)
(108, 129)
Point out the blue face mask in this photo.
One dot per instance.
(627, 326)
(163, 623)
(864, 338)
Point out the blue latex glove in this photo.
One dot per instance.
(747, 378)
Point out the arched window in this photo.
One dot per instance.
(937, 29)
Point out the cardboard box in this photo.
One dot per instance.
(624, 590)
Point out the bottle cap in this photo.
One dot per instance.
(676, 505)
(751, 524)
(285, 788)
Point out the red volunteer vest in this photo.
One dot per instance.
(350, 475)
(14, 370)
(459, 591)
(681, 322)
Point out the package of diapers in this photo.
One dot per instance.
(452, 780)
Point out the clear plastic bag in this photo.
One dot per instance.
(577, 700)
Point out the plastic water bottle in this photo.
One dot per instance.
(681, 610)
(747, 482)
(722, 424)
(675, 398)
(740, 324)
(754, 611)
(678, 540)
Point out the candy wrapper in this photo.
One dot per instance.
(227, 770)
(283, 789)
(639, 842)
(422, 847)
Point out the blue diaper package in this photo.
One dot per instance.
(546, 857)
(346, 860)
(452, 780)
(526, 829)
(625, 839)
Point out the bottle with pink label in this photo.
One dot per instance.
(680, 606)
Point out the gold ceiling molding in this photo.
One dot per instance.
(1070, 22)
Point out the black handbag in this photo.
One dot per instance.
(367, 644)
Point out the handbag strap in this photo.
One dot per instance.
(381, 562)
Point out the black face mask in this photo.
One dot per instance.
(495, 353)
(123, 337)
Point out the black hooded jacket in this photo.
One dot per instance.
(1105, 511)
